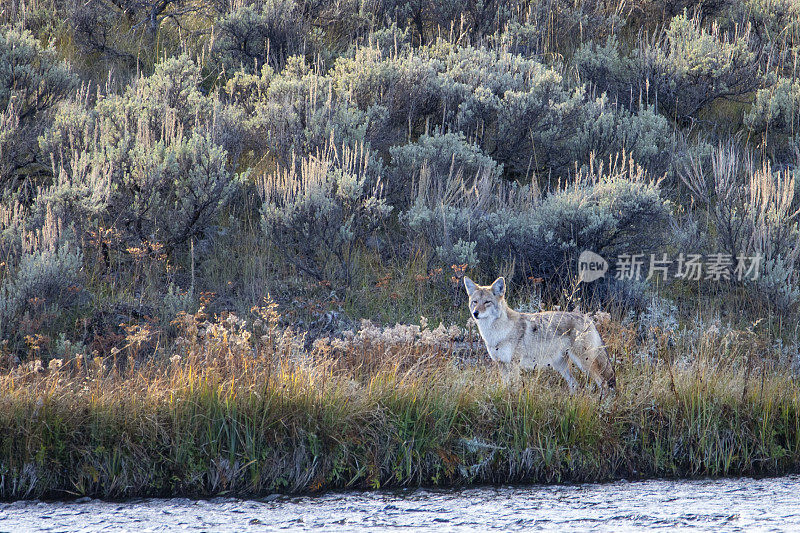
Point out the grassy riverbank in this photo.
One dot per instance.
(166, 165)
(235, 414)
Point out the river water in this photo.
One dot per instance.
(705, 505)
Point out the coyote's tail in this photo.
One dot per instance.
(601, 365)
(606, 369)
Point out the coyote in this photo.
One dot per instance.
(538, 340)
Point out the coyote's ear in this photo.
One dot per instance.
(470, 286)
(499, 287)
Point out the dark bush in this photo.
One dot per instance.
(251, 37)
(32, 81)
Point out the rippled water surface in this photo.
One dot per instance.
(709, 505)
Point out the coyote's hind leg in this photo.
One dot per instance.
(562, 367)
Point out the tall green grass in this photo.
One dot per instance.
(222, 420)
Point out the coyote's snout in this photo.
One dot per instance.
(530, 340)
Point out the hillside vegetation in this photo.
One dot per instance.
(233, 236)
(354, 159)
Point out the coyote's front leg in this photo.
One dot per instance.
(510, 373)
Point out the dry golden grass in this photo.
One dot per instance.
(245, 409)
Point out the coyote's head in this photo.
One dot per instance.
(485, 302)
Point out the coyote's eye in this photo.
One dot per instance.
(488, 303)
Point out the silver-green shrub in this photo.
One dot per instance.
(32, 81)
(152, 159)
(689, 66)
(397, 91)
(391, 40)
(752, 211)
(46, 274)
(775, 23)
(605, 67)
(521, 113)
(778, 283)
(443, 155)
(608, 127)
(681, 69)
(607, 209)
(775, 113)
(42, 271)
(253, 36)
(321, 209)
(609, 213)
(174, 188)
(538, 22)
(466, 223)
(295, 113)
